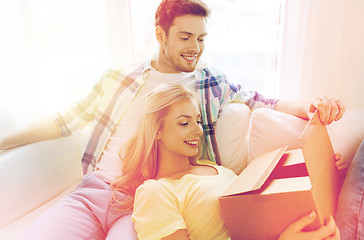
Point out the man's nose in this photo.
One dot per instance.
(195, 46)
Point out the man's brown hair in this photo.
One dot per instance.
(168, 10)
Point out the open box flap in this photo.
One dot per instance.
(317, 149)
(319, 157)
(252, 178)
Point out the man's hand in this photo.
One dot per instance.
(294, 231)
(329, 110)
(340, 164)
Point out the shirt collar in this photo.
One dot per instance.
(148, 66)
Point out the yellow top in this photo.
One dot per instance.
(165, 205)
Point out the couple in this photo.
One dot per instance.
(170, 194)
(114, 108)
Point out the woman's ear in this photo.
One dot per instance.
(158, 136)
(160, 35)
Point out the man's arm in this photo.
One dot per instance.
(45, 129)
(329, 109)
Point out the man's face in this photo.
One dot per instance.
(183, 46)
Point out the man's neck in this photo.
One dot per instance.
(156, 64)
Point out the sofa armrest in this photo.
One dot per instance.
(31, 175)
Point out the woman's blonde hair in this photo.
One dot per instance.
(139, 157)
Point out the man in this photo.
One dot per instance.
(114, 107)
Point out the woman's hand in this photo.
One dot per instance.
(341, 165)
(295, 230)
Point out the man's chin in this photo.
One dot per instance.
(188, 69)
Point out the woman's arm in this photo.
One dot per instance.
(156, 213)
(180, 234)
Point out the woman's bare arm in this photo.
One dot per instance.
(180, 234)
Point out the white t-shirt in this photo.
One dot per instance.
(109, 165)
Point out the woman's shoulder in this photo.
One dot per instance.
(154, 189)
(153, 185)
(225, 170)
(219, 168)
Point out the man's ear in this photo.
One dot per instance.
(160, 35)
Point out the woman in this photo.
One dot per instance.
(173, 196)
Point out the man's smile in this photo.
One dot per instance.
(189, 57)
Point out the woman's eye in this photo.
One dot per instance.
(184, 124)
(185, 39)
(199, 122)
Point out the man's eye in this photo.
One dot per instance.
(183, 124)
(201, 40)
(184, 38)
(199, 122)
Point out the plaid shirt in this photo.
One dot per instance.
(111, 96)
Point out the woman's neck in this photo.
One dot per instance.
(171, 165)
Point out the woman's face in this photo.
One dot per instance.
(182, 130)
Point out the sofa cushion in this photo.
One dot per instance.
(232, 136)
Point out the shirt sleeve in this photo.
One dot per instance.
(252, 99)
(78, 116)
(156, 213)
(229, 92)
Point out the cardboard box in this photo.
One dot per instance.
(279, 187)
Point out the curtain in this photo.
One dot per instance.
(323, 51)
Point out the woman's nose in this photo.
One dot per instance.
(198, 129)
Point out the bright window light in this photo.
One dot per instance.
(53, 53)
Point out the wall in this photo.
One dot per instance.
(322, 51)
(351, 78)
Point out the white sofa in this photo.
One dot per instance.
(35, 177)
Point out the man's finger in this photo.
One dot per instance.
(340, 162)
(341, 110)
(334, 110)
(325, 114)
(315, 105)
(341, 168)
(318, 105)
